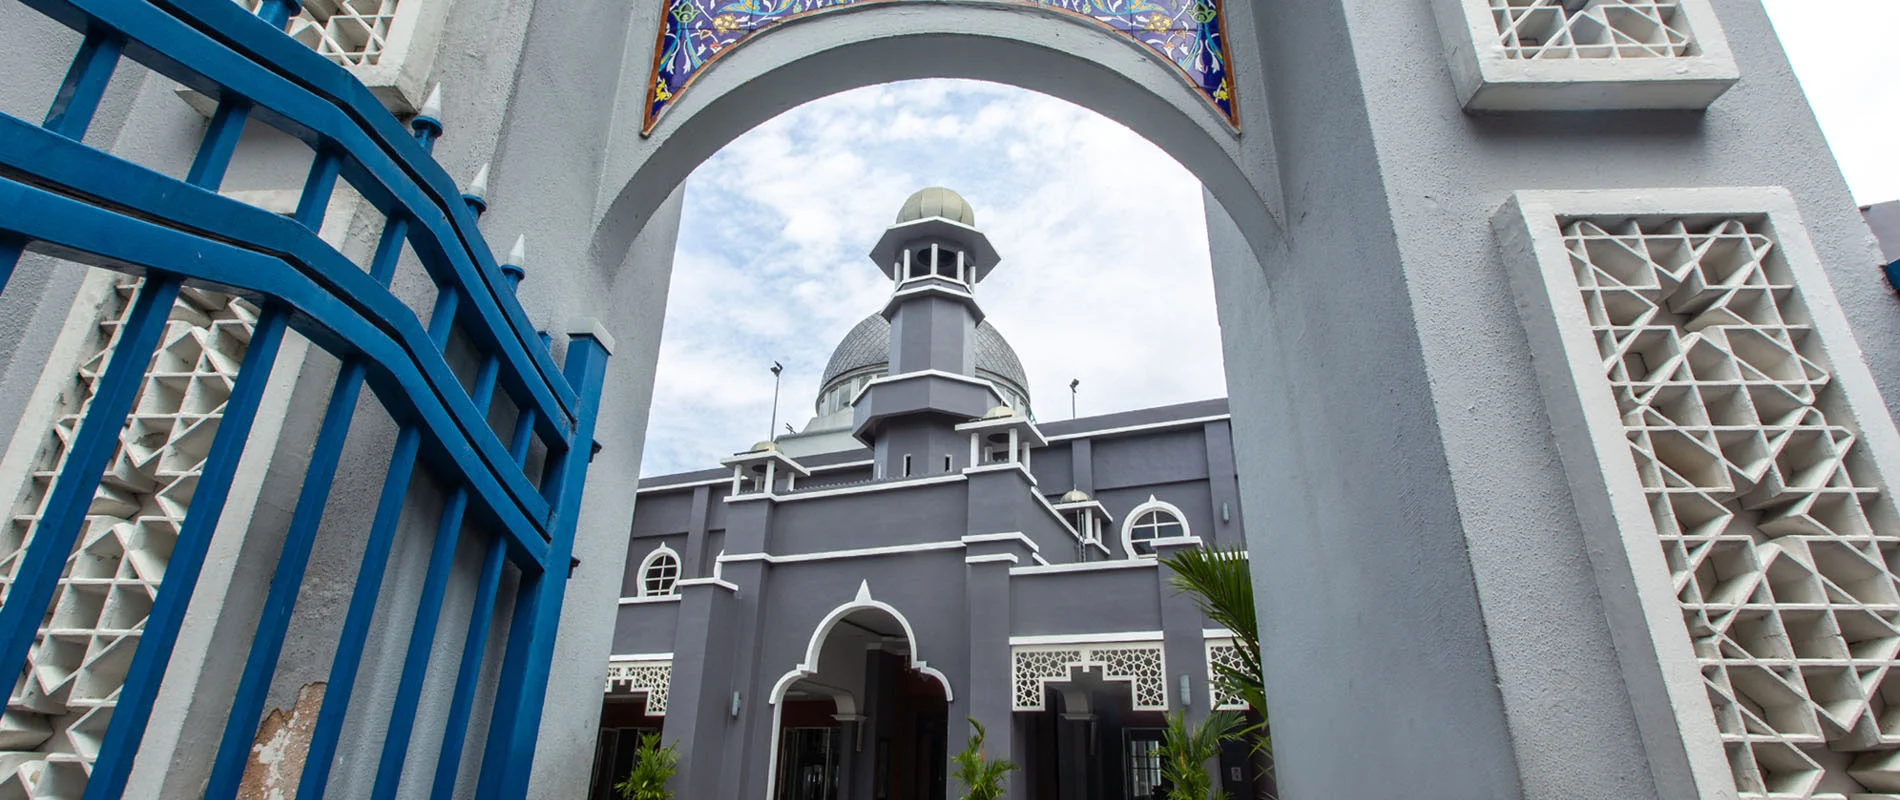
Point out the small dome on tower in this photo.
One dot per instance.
(937, 201)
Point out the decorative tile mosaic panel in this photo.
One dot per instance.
(60, 706)
(349, 32)
(652, 678)
(1604, 29)
(1770, 519)
(1188, 33)
(1142, 666)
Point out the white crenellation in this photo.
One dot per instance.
(1142, 665)
(60, 706)
(1737, 395)
(651, 678)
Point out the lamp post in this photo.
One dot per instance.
(771, 433)
(1073, 382)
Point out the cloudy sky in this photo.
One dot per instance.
(1105, 273)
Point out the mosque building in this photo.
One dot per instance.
(804, 621)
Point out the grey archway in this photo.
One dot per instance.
(1053, 53)
(1421, 567)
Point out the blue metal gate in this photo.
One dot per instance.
(71, 201)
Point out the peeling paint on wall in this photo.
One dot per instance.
(282, 741)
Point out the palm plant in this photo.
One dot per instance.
(653, 766)
(1185, 751)
(1222, 588)
(982, 779)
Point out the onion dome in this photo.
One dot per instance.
(866, 350)
(937, 201)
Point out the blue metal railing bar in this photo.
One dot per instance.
(321, 77)
(468, 676)
(300, 258)
(369, 576)
(435, 584)
(147, 671)
(326, 317)
(515, 725)
(72, 111)
(383, 173)
(71, 201)
(97, 438)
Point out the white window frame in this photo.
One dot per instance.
(1488, 78)
(647, 564)
(1151, 504)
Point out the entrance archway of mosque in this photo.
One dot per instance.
(828, 736)
(865, 719)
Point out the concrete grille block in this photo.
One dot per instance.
(1732, 443)
(57, 714)
(651, 678)
(1141, 665)
(388, 44)
(1576, 55)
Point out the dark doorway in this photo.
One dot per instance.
(623, 722)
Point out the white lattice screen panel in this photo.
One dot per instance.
(1597, 29)
(1576, 55)
(389, 45)
(1140, 665)
(1764, 490)
(1222, 652)
(349, 32)
(58, 711)
(651, 678)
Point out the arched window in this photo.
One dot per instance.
(1150, 521)
(660, 573)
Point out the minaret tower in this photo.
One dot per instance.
(934, 256)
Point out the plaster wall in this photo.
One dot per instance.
(1095, 602)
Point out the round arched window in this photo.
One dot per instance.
(660, 574)
(1152, 525)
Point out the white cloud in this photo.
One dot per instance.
(1104, 275)
(1105, 269)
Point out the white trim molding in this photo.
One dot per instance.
(1534, 55)
(1725, 446)
(1147, 427)
(1140, 664)
(1087, 566)
(1084, 638)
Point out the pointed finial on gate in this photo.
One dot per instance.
(427, 123)
(476, 195)
(517, 258)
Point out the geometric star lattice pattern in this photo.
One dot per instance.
(1753, 477)
(1223, 652)
(1142, 666)
(1599, 29)
(652, 678)
(61, 704)
(349, 32)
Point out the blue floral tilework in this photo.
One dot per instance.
(1187, 33)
